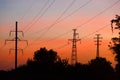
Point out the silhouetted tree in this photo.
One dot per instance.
(45, 56)
(47, 65)
(3, 74)
(101, 69)
(116, 50)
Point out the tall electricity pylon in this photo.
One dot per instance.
(98, 44)
(74, 47)
(16, 39)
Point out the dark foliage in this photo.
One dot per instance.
(116, 50)
(47, 65)
(46, 56)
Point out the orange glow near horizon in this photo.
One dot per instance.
(52, 27)
(85, 52)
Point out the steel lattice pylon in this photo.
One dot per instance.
(74, 47)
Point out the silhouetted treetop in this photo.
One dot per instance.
(46, 56)
(101, 64)
(47, 65)
(116, 50)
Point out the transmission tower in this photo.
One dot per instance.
(97, 44)
(74, 47)
(16, 39)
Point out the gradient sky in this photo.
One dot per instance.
(49, 23)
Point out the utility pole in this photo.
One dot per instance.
(16, 43)
(16, 39)
(98, 44)
(74, 46)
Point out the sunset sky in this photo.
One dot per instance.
(49, 23)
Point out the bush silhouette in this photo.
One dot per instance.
(47, 65)
(46, 56)
(101, 67)
(115, 47)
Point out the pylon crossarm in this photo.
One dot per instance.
(18, 39)
(11, 33)
(8, 40)
(97, 44)
(21, 50)
(24, 41)
(17, 31)
(14, 49)
(79, 40)
(22, 33)
(70, 39)
(10, 50)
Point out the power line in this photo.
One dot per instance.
(89, 20)
(75, 11)
(66, 17)
(83, 36)
(41, 14)
(27, 11)
(64, 45)
(59, 17)
(70, 31)
(69, 6)
(95, 31)
(62, 19)
(28, 25)
(50, 39)
(56, 19)
(94, 17)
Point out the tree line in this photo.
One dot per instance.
(47, 65)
